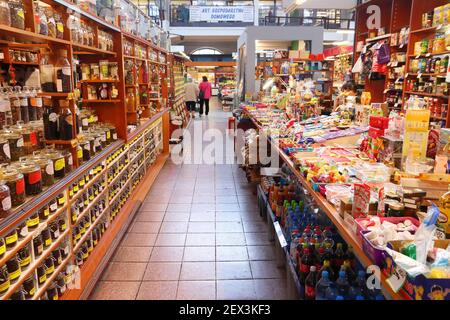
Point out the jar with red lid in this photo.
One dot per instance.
(16, 184)
(5, 200)
(33, 177)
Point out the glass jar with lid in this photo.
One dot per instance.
(16, 184)
(5, 152)
(29, 135)
(32, 175)
(59, 162)
(5, 13)
(16, 143)
(47, 170)
(17, 13)
(5, 200)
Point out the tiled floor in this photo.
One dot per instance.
(198, 235)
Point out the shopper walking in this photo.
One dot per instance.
(204, 95)
(191, 96)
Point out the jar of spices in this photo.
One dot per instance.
(5, 283)
(16, 184)
(22, 230)
(74, 213)
(53, 205)
(57, 256)
(29, 135)
(68, 158)
(5, 13)
(61, 284)
(52, 293)
(11, 239)
(49, 266)
(24, 257)
(17, 14)
(46, 237)
(54, 231)
(29, 287)
(59, 26)
(44, 213)
(80, 154)
(5, 152)
(5, 200)
(16, 144)
(84, 252)
(2, 247)
(41, 274)
(19, 294)
(33, 221)
(59, 162)
(61, 199)
(47, 171)
(14, 270)
(32, 175)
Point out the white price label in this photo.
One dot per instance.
(280, 235)
(419, 75)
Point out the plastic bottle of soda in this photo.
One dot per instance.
(310, 284)
(322, 286)
(351, 276)
(350, 256)
(359, 286)
(338, 258)
(327, 267)
(305, 265)
(342, 284)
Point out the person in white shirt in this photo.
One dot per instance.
(191, 96)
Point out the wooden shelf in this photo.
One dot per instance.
(87, 233)
(427, 94)
(427, 74)
(73, 142)
(143, 126)
(130, 85)
(87, 185)
(50, 279)
(31, 36)
(101, 101)
(33, 265)
(429, 29)
(90, 205)
(100, 81)
(431, 54)
(385, 36)
(53, 94)
(91, 50)
(20, 63)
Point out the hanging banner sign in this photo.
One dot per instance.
(219, 14)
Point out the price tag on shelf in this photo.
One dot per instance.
(419, 75)
(397, 279)
(401, 46)
(280, 235)
(418, 56)
(428, 55)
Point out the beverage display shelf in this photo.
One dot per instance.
(347, 234)
(33, 265)
(40, 292)
(10, 253)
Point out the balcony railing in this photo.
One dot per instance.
(326, 23)
(180, 17)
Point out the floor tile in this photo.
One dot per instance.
(196, 290)
(181, 199)
(271, 289)
(179, 207)
(198, 271)
(265, 270)
(228, 216)
(226, 199)
(201, 227)
(158, 290)
(158, 271)
(202, 207)
(139, 240)
(115, 290)
(176, 216)
(174, 227)
(199, 254)
(171, 240)
(261, 252)
(200, 239)
(254, 226)
(157, 198)
(231, 226)
(150, 216)
(232, 270)
(231, 253)
(148, 206)
(167, 254)
(230, 239)
(145, 227)
(203, 216)
(235, 290)
(227, 207)
(257, 238)
(132, 254)
(124, 271)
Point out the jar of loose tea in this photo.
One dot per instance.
(22, 230)
(2, 247)
(24, 257)
(47, 171)
(11, 239)
(29, 135)
(33, 221)
(14, 270)
(5, 200)
(16, 184)
(46, 237)
(29, 287)
(52, 293)
(5, 282)
(56, 254)
(16, 144)
(5, 152)
(32, 175)
(19, 294)
(68, 158)
(59, 162)
(49, 266)
(5, 13)
(41, 274)
(17, 14)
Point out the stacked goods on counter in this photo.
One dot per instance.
(380, 210)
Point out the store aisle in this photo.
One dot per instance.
(197, 236)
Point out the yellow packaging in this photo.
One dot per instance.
(418, 48)
(438, 16)
(447, 14)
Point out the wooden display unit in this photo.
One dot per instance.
(146, 149)
(176, 89)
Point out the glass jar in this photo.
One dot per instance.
(41, 275)
(33, 222)
(63, 72)
(22, 230)
(29, 287)
(44, 213)
(11, 239)
(5, 152)
(32, 175)
(5, 13)
(59, 26)
(16, 184)
(51, 23)
(29, 135)
(2, 247)
(17, 14)
(80, 154)
(24, 257)
(47, 170)
(16, 144)
(14, 270)
(59, 162)
(68, 158)
(5, 283)
(5, 200)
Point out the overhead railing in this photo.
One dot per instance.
(325, 22)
